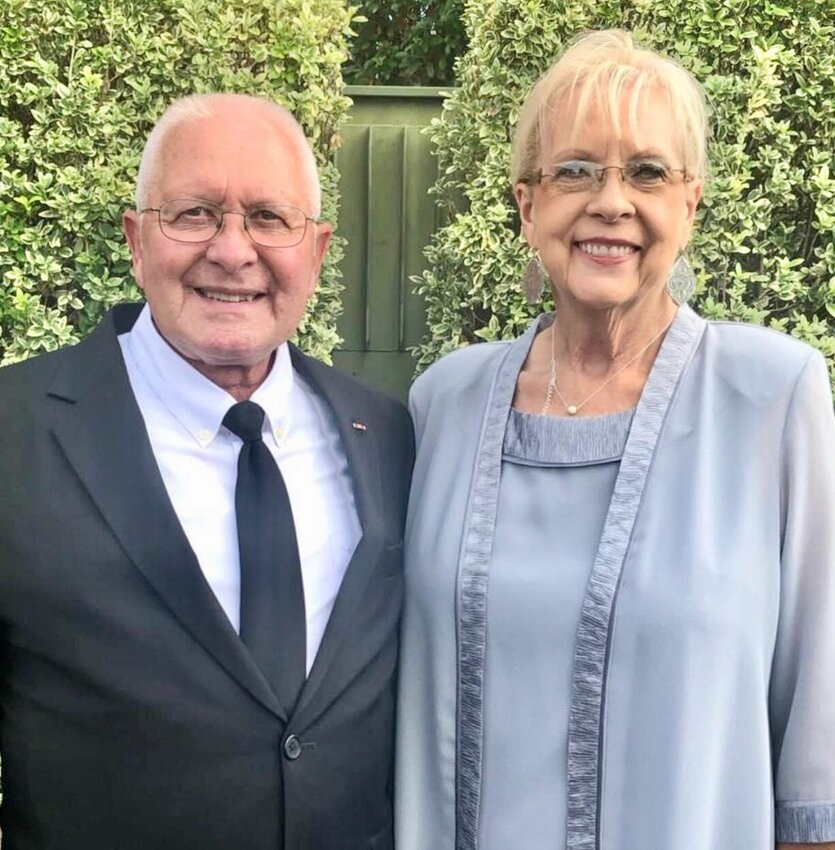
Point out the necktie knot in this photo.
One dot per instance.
(245, 419)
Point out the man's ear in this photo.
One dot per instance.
(132, 226)
(321, 239)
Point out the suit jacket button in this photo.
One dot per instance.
(292, 747)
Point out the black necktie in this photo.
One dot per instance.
(272, 595)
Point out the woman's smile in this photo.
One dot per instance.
(607, 251)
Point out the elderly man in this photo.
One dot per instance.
(200, 533)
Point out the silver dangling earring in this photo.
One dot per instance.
(533, 281)
(681, 284)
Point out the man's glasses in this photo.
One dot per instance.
(269, 225)
(578, 175)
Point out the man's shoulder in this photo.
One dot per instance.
(348, 392)
(356, 405)
(66, 372)
(34, 374)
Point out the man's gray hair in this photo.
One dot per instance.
(196, 106)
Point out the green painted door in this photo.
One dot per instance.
(387, 216)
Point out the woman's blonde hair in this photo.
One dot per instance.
(598, 70)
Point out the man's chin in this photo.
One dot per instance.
(232, 361)
(224, 353)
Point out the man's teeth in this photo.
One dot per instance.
(226, 296)
(596, 249)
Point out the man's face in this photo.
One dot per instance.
(241, 157)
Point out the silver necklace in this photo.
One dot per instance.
(573, 409)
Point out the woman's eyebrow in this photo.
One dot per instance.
(573, 153)
(649, 153)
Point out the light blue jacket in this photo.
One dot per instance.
(703, 694)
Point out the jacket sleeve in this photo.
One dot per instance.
(802, 688)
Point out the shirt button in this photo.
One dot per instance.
(292, 747)
(280, 434)
(205, 437)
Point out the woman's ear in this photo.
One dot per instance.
(693, 194)
(523, 192)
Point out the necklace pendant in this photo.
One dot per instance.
(571, 409)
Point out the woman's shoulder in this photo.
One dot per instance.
(759, 346)
(459, 370)
(755, 362)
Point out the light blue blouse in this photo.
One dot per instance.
(701, 702)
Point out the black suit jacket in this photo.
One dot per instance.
(132, 714)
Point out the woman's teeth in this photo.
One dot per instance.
(596, 249)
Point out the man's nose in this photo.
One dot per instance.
(231, 247)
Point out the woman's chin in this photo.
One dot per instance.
(601, 299)
(608, 295)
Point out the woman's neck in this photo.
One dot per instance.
(594, 341)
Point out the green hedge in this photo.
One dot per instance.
(763, 247)
(81, 83)
(406, 43)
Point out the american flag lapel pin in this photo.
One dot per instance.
(359, 426)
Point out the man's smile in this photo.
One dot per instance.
(228, 297)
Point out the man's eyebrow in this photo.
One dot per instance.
(191, 196)
(249, 205)
(267, 202)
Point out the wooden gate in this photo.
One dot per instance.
(387, 217)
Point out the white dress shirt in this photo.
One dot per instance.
(198, 458)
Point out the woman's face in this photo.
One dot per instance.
(610, 244)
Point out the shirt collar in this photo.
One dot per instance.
(192, 399)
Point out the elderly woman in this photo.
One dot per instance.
(620, 622)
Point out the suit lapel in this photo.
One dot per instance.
(100, 430)
(362, 451)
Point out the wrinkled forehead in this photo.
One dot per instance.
(233, 156)
(230, 133)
